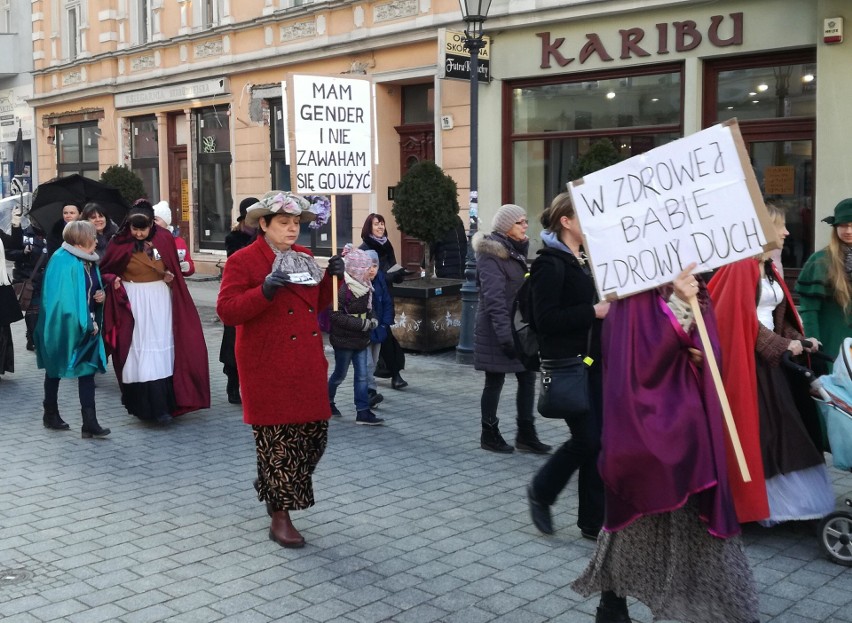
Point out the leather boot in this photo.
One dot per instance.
(492, 440)
(283, 532)
(91, 428)
(527, 439)
(397, 382)
(51, 418)
(612, 609)
(233, 390)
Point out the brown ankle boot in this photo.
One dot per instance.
(283, 532)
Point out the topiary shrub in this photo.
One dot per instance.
(426, 205)
(601, 154)
(126, 181)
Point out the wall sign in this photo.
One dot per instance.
(454, 58)
(173, 93)
(692, 200)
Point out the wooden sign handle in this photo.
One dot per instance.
(333, 250)
(710, 356)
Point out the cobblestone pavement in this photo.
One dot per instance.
(413, 522)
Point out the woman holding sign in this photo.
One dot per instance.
(773, 411)
(670, 534)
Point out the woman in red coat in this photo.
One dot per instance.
(271, 292)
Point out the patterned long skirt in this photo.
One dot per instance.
(287, 455)
(675, 567)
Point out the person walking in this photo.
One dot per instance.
(10, 310)
(279, 352)
(567, 317)
(501, 266)
(152, 326)
(30, 263)
(163, 218)
(374, 237)
(670, 536)
(825, 284)
(240, 236)
(68, 338)
(383, 312)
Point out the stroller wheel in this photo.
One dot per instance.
(835, 537)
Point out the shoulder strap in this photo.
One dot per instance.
(38, 264)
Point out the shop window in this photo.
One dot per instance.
(317, 240)
(215, 199)
(77, 149)
(145, 154)
(773, 98)
(552, 123)
(5, 16)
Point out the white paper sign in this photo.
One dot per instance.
(332, 135)
(648, 217)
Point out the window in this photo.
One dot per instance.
(553, 123)
(5, 16)
(77, 149)
(317, 240)
(143, 19)
(212, 12)
(73, 43)
(418, 103)
(215, 199)
(144, 154)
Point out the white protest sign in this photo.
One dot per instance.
(693, 200)
(332, 133)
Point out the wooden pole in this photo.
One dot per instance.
(710, 356)
(333, 249)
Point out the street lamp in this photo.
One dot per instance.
(474, 13)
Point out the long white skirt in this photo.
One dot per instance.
(152, 349)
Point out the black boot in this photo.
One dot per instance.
(492, 440)
(612, 609)
(233, 390)
(397, 382)
(51, 418)
(91, 428)
(527, 440)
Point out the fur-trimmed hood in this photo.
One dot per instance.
(497, 245)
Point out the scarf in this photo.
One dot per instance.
(383, 240)
(4, 276)
(847, 262)
(359, 289)
(291, 262)
(80, 254)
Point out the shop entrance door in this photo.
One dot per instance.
(416, 143)
(179, 190)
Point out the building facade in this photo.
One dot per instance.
(188, 95)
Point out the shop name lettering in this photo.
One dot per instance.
(677, 201)
(454, 66)
(334, 113)
(686, 36)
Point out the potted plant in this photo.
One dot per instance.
(126, 181)
(428, 310)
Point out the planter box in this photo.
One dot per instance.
(427, 314)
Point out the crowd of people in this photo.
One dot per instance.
(659, 487)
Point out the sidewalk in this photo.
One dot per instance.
(413, 522)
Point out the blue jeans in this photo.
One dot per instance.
(359, 359)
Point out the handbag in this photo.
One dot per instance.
(564, 387)
(24, 289)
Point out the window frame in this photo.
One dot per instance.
(6, 16)
(64, 169)
(149, 162)
(72, 41)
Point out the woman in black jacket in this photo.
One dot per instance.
(567, 318)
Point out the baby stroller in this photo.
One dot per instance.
(833, 396)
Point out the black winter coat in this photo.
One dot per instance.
(450, 252)
(500, 272)
(25, 261)
(563, 298)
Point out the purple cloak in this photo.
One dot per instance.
(663, 439)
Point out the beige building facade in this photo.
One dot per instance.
(187, 93)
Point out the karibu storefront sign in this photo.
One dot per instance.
(455, 58)
(681, 36)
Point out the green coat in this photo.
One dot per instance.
(65, 346)
(821, 315)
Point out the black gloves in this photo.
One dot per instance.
(273, 281)
(369, 324)
(508, 349)
(336, 267)
(399, 276)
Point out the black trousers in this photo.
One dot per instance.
(524, 399)
(85, 390)
(578, 454)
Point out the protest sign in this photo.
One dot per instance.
(693, 200)
(331, 134)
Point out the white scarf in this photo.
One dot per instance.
(359, 289)
(4, 276)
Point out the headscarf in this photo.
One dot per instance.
(358, 264)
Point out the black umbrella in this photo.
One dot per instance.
(49, 199)
(18, 153)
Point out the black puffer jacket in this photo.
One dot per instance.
(563, 306)
(347, 324)
(500, 271)
(450, 252)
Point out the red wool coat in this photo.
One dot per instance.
(279, 348)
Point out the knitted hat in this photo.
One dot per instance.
(357, 263)
(163, 211)
(506, 218)
(245, 204)
(373, 256)
(842, 214)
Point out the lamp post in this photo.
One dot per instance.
(474, 13)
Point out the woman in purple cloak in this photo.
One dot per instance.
(670, 536)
